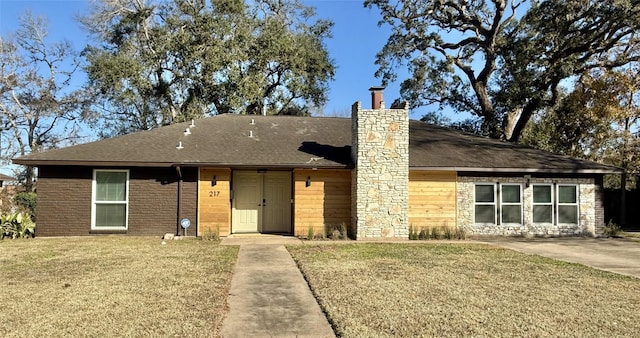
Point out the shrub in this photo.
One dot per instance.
(436, 233)
(413, 235)
(448, 233)
(611, 229)
(26, 201)
(212, 235)
(460, 233)
(16, 225)
(423, 234)
(311, 233)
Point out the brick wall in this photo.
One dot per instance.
(64, 201)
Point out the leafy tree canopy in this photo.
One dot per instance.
(502, 60)
(160, 62)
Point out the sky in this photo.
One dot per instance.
(356, 40)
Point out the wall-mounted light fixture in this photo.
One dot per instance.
(527, 180)
(214, 181)
(308, 182)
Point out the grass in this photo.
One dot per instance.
(398, 290)
(113, 286)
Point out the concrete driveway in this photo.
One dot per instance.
(616, 255)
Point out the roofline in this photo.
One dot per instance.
(37, 163)
(614, 170)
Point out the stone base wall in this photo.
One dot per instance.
(589, 208)
(380, 181)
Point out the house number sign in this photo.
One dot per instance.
(214, 193)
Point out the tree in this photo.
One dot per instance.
(484, 58)
(606, 128)
(38, 111)
(164, 62)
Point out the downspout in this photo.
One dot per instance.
(178, 198)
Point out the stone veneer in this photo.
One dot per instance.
(591, 217)
(380, 180)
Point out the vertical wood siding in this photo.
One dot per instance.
(325, 203)
(214, 202)
(432, 199)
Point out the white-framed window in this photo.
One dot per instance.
(110, 199)
(555, 206)
(543, 203)
(567, 197)
(485, 203)
(510, 204)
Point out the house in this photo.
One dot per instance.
(5, 178)
(378, 173)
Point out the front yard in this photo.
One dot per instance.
(113, 286)
(425, 289)
(120, 286)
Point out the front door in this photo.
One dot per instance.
(261, 202)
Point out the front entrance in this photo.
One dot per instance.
(261, 202)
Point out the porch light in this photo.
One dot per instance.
(308, 182)
(527, 180)
(214, 181)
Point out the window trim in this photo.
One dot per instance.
(502, 203)
(94, 202)
(552, 203)
(494, 204)
(576, 203)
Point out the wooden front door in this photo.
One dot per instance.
(261, 202)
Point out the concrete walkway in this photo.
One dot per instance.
(269, 296)
(614, 255)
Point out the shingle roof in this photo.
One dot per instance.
(6, 178)
(298, 142)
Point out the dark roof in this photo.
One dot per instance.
(6, 178)
(299, 142)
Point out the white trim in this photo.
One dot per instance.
(551, 204)
(94, 202)
(494, 204)
(576, 203)
(502, 203)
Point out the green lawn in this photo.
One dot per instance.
(113, 286)
(426, 289)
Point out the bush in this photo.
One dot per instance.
(26, 201)
(311, 233)
(16, 225)
(413, 234)
(611, 229)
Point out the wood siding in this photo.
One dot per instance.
(432, 199)
(325, 203)
(215, 207)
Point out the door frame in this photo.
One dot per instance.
(260, 219)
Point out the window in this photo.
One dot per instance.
(542, 204)
(485, 204)
(110, 199)
(558, 208)
(567, 204)
(511, 204)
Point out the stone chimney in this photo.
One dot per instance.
(380, 180)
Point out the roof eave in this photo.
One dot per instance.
(599, 171)
(37, 163)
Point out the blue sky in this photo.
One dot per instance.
(356, 40)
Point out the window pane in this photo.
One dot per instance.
(511, 214)
(511, 193)
(567, 194)
(484, 193)
(541, 194)
(542, 213)
(111, 215)
(111, 186)
(568, 214)
(485, 214)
